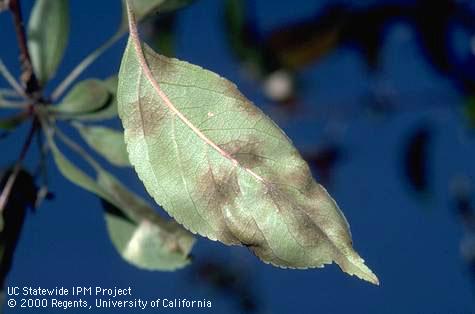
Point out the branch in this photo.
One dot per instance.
(28, 76)
(83, 65)
(77, 149)
(10, 79)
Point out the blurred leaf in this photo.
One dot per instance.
(463, 201)
(365, 28)
(109, 110)
(3, 7)
(222, 168)
(11, 122)
(145, 240)
(144, 8)
(22, 197)
(235, 282)
(416, 158)
(172, 5)
(107, 142)
(241, 31)
(469, 111)
(324, 161)
(86, 97)
(462, 198)
(306, 41)
(140, 235)
(433, 31)
(48, 31)
(160, 33)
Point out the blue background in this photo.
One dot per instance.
(412, 245)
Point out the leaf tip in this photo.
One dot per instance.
(360, 270)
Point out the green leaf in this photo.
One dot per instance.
(108, 110)
(86, 97)
(144, 8)
(223, 169)
(48, 31)
(469, 111)
(11, 122)
(140, 235)
(145, 240)
(107, 142)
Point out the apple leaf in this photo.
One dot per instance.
(222, 168)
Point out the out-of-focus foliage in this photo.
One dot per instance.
(48, 31)
(140, 235)
(144, 8)
(22, 197)
(324, 160)
(232, 281)
(292, 47)
(416, 159)
(88, 96)
(107, 142)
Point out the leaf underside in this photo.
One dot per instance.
(251, 188)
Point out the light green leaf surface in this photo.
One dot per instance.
(144, 8)
(108, 110)
(48, 31)
(223, 169)
(140, 235)
(86, 97)
(145, 240)
(107, 142)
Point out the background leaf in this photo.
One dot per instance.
(223, 169)
(146, 241)
(141, 236)
(144, 8)
(48, 31)
(22, 197)
(86, 97)
(11, 122)
(109, 109)
(107, 142)
(416, 159)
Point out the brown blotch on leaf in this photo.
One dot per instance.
(146, 117)
(232, 90)
(247, 152)
(161, 66)
(219, 189)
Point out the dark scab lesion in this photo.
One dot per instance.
(147, 116)
(220, 188)
(242, 103)
(247, 152)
